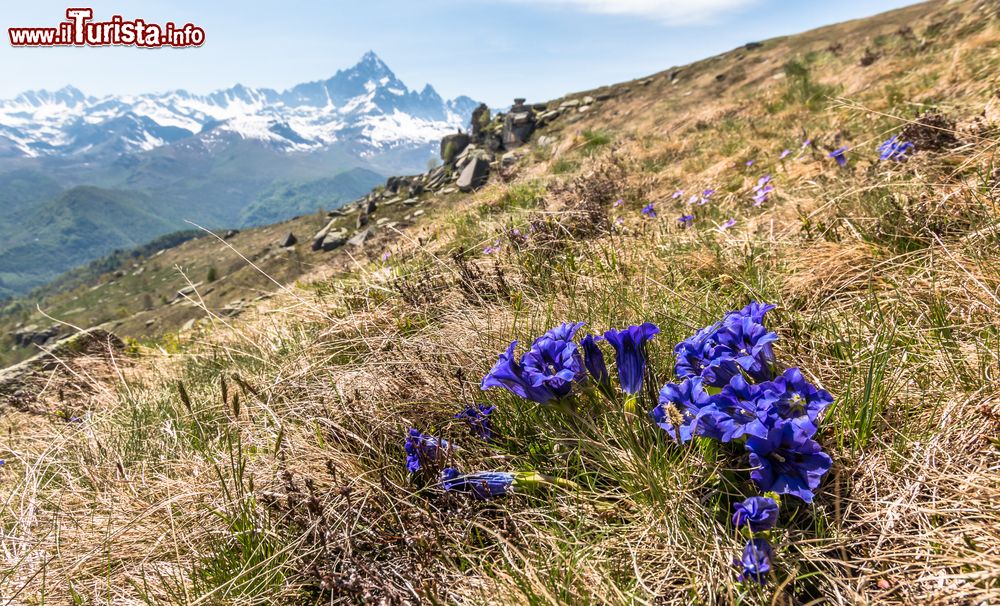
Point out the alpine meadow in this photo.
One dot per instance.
(725, 334)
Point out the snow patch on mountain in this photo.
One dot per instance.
(365, 105)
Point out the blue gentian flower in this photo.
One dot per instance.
(478, 418)
(649, 211)
(510, 374)
(756, 311)
(677, 194)
(593, 359)
(696, 357)
(759, 513)
(619, 202)
(554, 360)
(840, 155)
(729, 223)
(686, 410)
(482, 485)
(785, 154)
(746, 409)
(794, 398)
(424, 449)
(630, 353)
(756, 561)
(788, 461)
(749, 163)
(748, 343)
(708, 193)
(685, 220)
(894, 149)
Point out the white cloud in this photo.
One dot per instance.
(670, 12)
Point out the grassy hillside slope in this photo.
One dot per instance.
(261, 460)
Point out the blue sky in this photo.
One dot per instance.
(492, 50)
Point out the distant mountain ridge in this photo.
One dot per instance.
(366, 106)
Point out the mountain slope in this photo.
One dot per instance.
(284, 199)
(81, 224)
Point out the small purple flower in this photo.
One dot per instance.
(794, 398)
(478, 418)
(685, 220)
(649, 211)
(686, 410)
(708, 193)
(749, 163)
(386, 255)
(554, 360)
(785, 154)
(806, 143)
(746, 409)
(788, 461)
(756, 561)
(620, 221)
(510, 374)
(677, 194)
(619, 202)
(894, 149)
(727, 224)
(840, 155)
(693, 199)
(482, 485)
(748, 343)
(630, 353)
(424, 449)
(489, 250)
(759, 513)
(593, 359)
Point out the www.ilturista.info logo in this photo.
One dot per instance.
(80, 30)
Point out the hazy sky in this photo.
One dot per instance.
(491, 50)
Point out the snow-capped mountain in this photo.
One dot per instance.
(365, 108)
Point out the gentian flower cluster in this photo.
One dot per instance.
(728, 390)
(555, 364)
(894, 149)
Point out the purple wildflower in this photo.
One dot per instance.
(630, 353)
(482, 485)
(759, 513)
(593, 359)
(788, 461)
(756, 561)
(619, 202)
(840, 155)
(794, 398)
(894, 149)
(748, 343)
(686, 410)
(749, 162)
(785, 154)
(729, 223)
(746, 409)
(677, 194)
(649, 211)
(685, 220)
(478, 418)
(424, 449)
(510, 374)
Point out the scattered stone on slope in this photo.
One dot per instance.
(518, 125)
(334, 240)
(317, 241)
(230, 234)
(289, 240)
(474, 175)
(452, 145)
(359, 238)
(25, 336)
